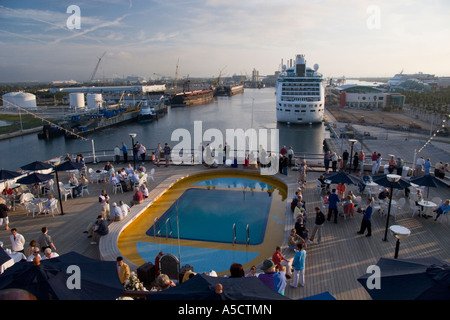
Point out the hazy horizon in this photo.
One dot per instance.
(43, 41)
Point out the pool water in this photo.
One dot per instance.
(206, 206)
(234, 182)
(209, 215)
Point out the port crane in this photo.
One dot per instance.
(176, 79)
(96, 67)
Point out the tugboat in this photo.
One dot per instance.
(148, 109)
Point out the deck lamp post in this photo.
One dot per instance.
(350, 158)
(392, 178)
(399, 232)
(133, 135)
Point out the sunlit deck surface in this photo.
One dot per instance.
(333, 265)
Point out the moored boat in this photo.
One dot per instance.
(191, 98)
(148, 109)
(229, 90)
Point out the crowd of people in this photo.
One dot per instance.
(38, 249)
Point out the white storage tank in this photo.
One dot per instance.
(19, 99)
(76, 100)
(94, 100)
(9, 100)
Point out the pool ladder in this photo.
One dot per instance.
(168, 226)
(158, 227)
(247, 231)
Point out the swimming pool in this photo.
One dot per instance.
(210, 221)
(216, 216)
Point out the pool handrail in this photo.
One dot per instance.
(248, 234)
(167, 233)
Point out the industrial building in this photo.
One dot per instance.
(113, 89)
(367, 97)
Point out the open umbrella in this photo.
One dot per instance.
(410, 279)
(71, 276)
(35, 178)
(382, 180)
(4, 257)
(202, 287)
(321, 296)
(66, 165)
(339, 177)
(7, 174)
(36, 165)
(428, 181)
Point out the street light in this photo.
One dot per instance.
(133, 135)
(350, 158)
(399, 232)
(392, 178)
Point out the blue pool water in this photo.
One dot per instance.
(209, 215)
(234, 183)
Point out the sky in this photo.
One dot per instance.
(44, 41)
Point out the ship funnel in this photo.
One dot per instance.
(300, 65)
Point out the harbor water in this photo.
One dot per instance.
(255, 108)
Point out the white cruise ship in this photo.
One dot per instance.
(401, 77)
(300, 94)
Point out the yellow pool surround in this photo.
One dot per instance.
(136, 231)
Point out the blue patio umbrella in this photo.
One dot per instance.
(202, 287)
(409, 279)
(36, 165)
(321, 296)
(4, 257)
(343, 177)
(70, 276)
(7, 174)
(382, 180)
(429, 181)
(35, 178)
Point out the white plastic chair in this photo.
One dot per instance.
(94, 176)
(151, 174)
(32, 208)
(445, 214)
(400, 206)
(65, 192)
(437, 200)
(84, 189)
(54, 207)
(415, 208)
(117, 187)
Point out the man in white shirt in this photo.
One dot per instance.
(103, 198)
(48, 254)
(17, 241)
(419, 166)
(125, 208)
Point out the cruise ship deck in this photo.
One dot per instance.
(333, 265)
